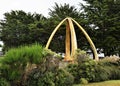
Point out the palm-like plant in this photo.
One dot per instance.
(62, 11)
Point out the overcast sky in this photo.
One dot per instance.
(38, 6)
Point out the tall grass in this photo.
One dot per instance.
(24, 54)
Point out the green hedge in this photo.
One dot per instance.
(95, 71)
(57, 77)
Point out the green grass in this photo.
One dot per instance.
(105, 83)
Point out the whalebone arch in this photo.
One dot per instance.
(71, 39)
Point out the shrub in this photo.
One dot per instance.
(80, 56)
(93, 71)
(73, 69)
(3, 82)
(49, 74)
(63, 78)
(86, 69)
(115, 73)
(109, 61)
(17, 61)
(83, 67)
(106, 69)
(101, 73)
(90, 70)
(83, 81)
(38, 78)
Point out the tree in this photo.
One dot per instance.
(104, 16)
(20, 28)
(58, 13)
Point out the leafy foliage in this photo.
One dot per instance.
(57, 77)
(20, 28)
(83, 81)
(92, 71)
(3, 82)
(103, 18)
(62, 11)
(49, 73)
(99, 18)
(18, 61)
(33, 66)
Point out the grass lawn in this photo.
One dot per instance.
(105, 83)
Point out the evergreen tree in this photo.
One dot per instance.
(104, 17)
(20, 28)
